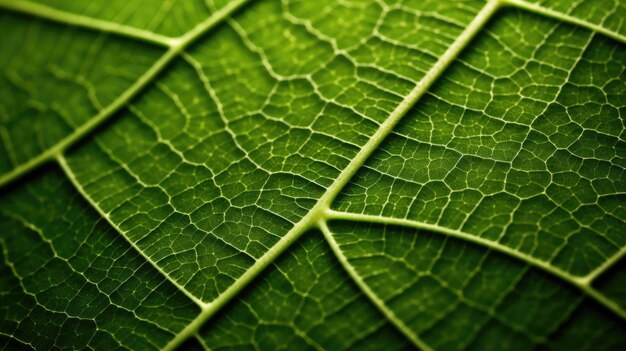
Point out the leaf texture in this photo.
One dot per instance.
(313, 175)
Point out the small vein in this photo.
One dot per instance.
(313, 218)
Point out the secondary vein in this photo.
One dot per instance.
(380, 304)
(578, 282)
(70, 175)
(563, 17)
(176, 46)
(59, 16)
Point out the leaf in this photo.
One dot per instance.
(313, 175)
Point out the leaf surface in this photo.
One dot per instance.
(324, 175)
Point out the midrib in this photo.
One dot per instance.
(318, 215)
(315, 218)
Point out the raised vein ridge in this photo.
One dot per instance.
(319, 213)
(380, 304)
(176, 45)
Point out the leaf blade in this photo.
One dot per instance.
(254, 185)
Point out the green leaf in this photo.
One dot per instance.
(332, 175)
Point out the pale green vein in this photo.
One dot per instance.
(380, 304)
(40, 232)
(581, 283)
(70, 175)
(317, 213)
(202, 343)
(605, 266)
(560, 16)
(177, 45)
(63, 17)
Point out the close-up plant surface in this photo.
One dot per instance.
(299, 174)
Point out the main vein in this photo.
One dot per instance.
(317, 213)
(175, 47)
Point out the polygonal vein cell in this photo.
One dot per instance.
(606, 16)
